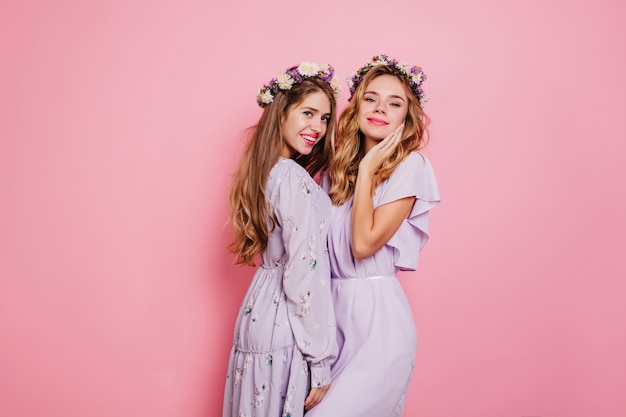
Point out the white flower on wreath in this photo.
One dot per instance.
(308, 69)
(266, 97)
(335, 84)
(379, 61)
(285, 81)
(404, 67)
(351, 81)
(417, 78)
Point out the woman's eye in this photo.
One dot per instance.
(395, 104)
(308, 113)
(369, 99)
(325, 119)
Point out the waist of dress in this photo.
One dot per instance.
(279, 266)
(240, 349)
(371, 277)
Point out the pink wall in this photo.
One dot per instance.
(120, 122)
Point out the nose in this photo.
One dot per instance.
(380, 108)
(316, 125)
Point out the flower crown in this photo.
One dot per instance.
(292, 75)
(413, 74)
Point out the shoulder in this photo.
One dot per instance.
(417, 160)
(290, 190)
(287, 170)
(416, 164)
(287, 174)
(286, 165)
(413, 177)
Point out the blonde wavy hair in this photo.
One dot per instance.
(349, 147)
(250, 213)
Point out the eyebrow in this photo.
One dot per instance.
(315, 110)
(392, 96)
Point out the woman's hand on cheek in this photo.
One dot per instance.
(382, 150)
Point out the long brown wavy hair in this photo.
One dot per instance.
(250, 213)
(350, 140)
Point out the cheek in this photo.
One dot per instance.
(400, 114)
(364, 108)
(361, 115)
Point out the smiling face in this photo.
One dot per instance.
(382, 109)
(305, 124)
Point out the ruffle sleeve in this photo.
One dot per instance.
(414, 177)
(306, 279)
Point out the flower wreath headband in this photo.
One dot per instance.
(296, 75)
(413, 74)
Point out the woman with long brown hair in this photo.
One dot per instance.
(383, 190)
(285, 333)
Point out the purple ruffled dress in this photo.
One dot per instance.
(376, 331)
(285, 333)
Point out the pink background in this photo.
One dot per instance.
(120, 122)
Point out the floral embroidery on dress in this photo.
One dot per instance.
(288, 405)
(251, 301)
(304, 304)
(292, 225)
(322, 228)
(317, 380)
(303, 345)
(278, 298)
(304, 185)
(278, 261)
(287, 271)
(240, 371)
(310, 254)
(258, 395)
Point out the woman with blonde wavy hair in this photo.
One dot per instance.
(383, 190)
(285, 333)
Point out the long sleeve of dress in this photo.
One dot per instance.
(306, 279)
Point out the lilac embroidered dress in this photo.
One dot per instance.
(285, 333)
(376, 332)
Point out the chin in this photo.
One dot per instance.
(378, 135)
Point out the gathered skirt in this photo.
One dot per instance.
(267, 373)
